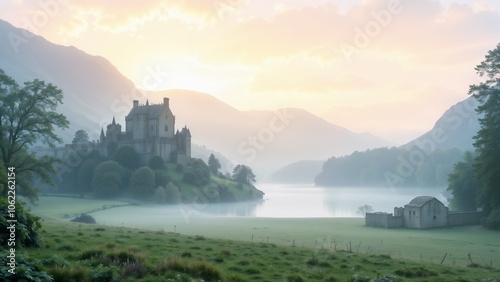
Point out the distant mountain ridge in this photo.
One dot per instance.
(95, 92)
(455, 129)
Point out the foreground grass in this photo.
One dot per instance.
(313, 233)
(82, 252)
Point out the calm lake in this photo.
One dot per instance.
(282, 201)
(299, 201)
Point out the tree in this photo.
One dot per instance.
(142, 182)
(213, 164)
(173, 193)
(462, 184)
(364, 209)
(127, 157)
(81, 137)
(108, 179)
(84, 176)
(160, 195)
(487, 164)
(156, 162)
(28, 115)
(243, 174)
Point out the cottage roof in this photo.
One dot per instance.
(152, 111)
(420, 201)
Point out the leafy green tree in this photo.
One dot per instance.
(160, 195)
(142, 182)
(108, 179)
(161, 177)
(213, 164)
(28, 115)
(81, 137)
(462, 184)
(84, 176)
(156, 162)
(27, 226)
(127, 157)
(111, 148)
(487, 165)
(243, 174)
(173, 193)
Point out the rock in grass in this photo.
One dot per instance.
(84, 218)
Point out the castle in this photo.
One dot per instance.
(150, 129)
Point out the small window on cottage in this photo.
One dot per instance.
(166, 127)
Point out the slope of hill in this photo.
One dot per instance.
(265, 140)
(455, 129)
(301, 172)
(94, 90)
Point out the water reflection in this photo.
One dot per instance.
(300, 201)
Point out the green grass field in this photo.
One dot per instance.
(80, 252)
(314, 233)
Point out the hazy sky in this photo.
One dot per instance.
(389, 67)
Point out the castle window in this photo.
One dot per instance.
(166, 117)
(151, 127)
(166, 127)
(413, 212)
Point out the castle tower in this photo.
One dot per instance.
(112, 131)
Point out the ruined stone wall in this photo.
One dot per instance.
(464, 218)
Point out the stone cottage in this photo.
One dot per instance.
(424, 212)
(421, 213)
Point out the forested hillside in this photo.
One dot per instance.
(392, 167)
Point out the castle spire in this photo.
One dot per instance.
(147, 102)
(101, 138)
(113, 123)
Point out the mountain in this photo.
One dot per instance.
(95, 92)
(301, 172)
(455, 129)
(265, 140)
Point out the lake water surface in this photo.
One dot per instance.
(280, 201)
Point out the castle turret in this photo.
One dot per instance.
(136, 103)
(166, 101)
(102, 137)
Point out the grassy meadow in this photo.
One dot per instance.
(84, 252)
(327, 233)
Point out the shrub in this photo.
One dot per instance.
(92, 253)
(26, 269)
(27, 226)
(105, 274)
(143, 182)
(195, 268)
(134, 269)
(156, 162)
(84, 218)
(179, 168)
(416, 272)
(53, 261)
(72, 273)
